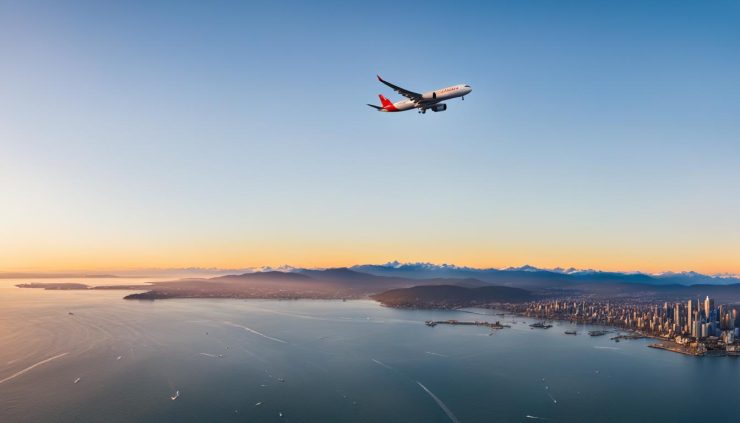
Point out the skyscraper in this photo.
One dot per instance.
(708, 306)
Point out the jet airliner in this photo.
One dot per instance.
(429, 100)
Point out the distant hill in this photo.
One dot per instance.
(272, 276)
(365, 280)
(298, 283)
(54, 286)
(451, 296)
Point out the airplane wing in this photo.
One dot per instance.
(415, 97)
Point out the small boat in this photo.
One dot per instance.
(119, 357)
(71, 314)
(174, 397)
(280, 414)
(258, 404)
(571, 332)
(280, 379)
(541, 325)
(77, 380)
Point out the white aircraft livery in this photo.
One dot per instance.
(429, 100)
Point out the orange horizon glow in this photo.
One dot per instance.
(88, 263)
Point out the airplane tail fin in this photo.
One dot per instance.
(384, 101)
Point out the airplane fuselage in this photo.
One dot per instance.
(422, 101)
(430, 98)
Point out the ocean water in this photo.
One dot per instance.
(324, 361)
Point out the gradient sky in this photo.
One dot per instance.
(230, 134)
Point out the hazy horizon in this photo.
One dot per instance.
(142, 271)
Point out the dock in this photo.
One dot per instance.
(625, 337)
(681, 349)
(494, 325)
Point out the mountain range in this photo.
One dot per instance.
(530, 275)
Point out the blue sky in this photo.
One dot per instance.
(598, 134)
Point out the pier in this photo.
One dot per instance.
(682, 349)
(495, 325)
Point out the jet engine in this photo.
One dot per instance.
(439, 107)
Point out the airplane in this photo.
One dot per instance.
(429, 100)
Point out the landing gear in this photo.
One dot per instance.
(422, 111)
(463, 97)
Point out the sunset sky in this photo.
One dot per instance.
(232, 134)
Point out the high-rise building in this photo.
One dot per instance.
(677, 314)
(708, 308)
(689, 321)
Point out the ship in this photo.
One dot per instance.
(540, 325)
(571, 332)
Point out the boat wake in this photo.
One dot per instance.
(256, 332)
(439, 403)
(380, 363)
(434, 397)
(209, 355)
(18, 373)
(606, 348)
(434, 353)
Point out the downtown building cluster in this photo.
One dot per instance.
(698, 323)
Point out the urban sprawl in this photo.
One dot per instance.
(696, 327)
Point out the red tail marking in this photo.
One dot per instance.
(387, 105)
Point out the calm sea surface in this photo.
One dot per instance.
(321, 361)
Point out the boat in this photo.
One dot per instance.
(571, 332)
(540, 325)
(174, 397)
(597, 332)
(77, 380)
